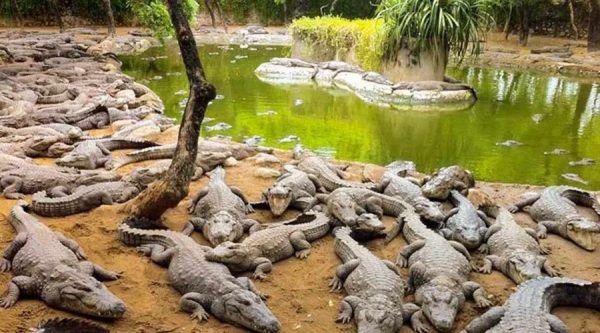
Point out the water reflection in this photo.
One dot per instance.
(340, 124)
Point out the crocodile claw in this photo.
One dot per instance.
(483, 249)
(303, 254)
(335, 284)
(513, 209)
(542, 234)
(80, 254)
(200, 314)
(343, 318)
(249, 209)
(483, 303)
(5, 265)
(485, 269)
(7, 302)
(144, 250)
(545, 250)
(402, 262)
(259, 276)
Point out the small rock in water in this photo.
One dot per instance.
(298, 102)
(218, 127)
(537, 118)
(269, 48)
(253, 140)
(207, 120)
(574, 178)
(157, 77)
(219, 97)
(233, 61)
(289, 138)
(267, 173)
(181, 92)
(583, 162)
(509, 143)
(267, 113)
(252, 49)
(220, 137)
(557, 151)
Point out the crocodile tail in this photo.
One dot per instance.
(131, 232)
(71, 204)
(121, 143)
(455, 197)
(217, 175)
(69, 325)
(340, 232)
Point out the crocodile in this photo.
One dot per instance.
(84, 198)
(262, 248)
(44, 131)
(439, 185)
(91, 154)
(513, 250)
(206, 287)
(439, 273)
(219, 211)
(291, 62)
(409, 190)
(36, 146)
(29, 179)
(377, 78)
(52, 267)
(68, 325)
(432, 86)
(340, 67)
(328, 175)
(374, 287)
(464, 223)
(528, 309)
(295, 189)
(554, 210)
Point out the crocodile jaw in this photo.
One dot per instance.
(222, 227)
(279, 199)
(246, 309)
(583, 233)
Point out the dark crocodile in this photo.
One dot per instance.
(91, 154)
(219, 211)
(528, 309)
(374, 287)
(464, 223)
(328, 175)
(340, 67)
(29, 179)
(207, 287)
(409, 190)
(52, 267)
(554, 210)
(84, 198)
(294, 188)
(439, 274)
(262, 248)
(68, 325)
(439, 185)
(514, 250)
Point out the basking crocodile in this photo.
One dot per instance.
(528, 309)
(36, 146)
(554, 210)
(91, 154)
(52, 267)
(439, 273)
(328, 175)
(219, 211)
(409, 190)
(207, 287)
(68, 325)
(374, 287)
(513, 250)
(439, 185)
(295, 188)
(340, 67)
(84, 198)
(464, 223)
(262, 248)
(29, 179)
(377, 78)
(292, 62)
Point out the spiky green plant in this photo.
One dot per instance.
(440, 26)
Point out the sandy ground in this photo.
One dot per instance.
(298, 288)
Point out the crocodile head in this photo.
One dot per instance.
(59, 149)
(279, 198)
(367, 226)
(234, 255)
(143, 177)
(222, 227)
(92, 177)
(583, 232)
(245, 308)
(74, 291)
(344, 208)
(470, 235)
(524, 265)
(76, 160)
(42, 143)
(440, 301)
(430, 211)
(377, 318)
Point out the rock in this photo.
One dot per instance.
(127, 94)
(265, 159)
(550, 49)
(231, 162)
(373, 173)
(267, 173)
(479, 198)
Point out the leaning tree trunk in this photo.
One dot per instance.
(507, 28)
(112, 30)
(524, 26)
(211, 13)
(594, 27)
(572, 17)
(174, 186)
(57, 16)
(17, 12)
(221, 17)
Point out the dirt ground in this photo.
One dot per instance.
(299, 291)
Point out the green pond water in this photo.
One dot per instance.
(339, 124)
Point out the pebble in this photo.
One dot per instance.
(267, 113)
(298, 102)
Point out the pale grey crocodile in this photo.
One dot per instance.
(464, 223)
(91, 154)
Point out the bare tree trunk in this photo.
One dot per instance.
(332, 8)
(285, 12)
(524, 27)
(112, 30)
(56, 10)
(572, 16)
(507, 28)
(174, 186)
(594, 27)
(212, 14)
(221, 17)
(15, 8)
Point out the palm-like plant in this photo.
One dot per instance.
(438, 26)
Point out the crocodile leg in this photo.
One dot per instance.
(484, 218)
(529, 200)
(544, 226)
(17, 286)
(391, 266)
(488, 320)
(408, 310)
(461, 248)
(58, 192)
(195, 223)
(407, 251)
(346, 311)
(250, 224)
(248, 284)
(196, 303)
(493, 261)
(549, 269)
(395, 230)
(475, 291)
(373, 205)
(71, 245)
(98, 272)
(196, 198)
(557, 325)
(451, 213)
(316, 182)
(492, 230)
(420, 324)
(158, 254)
(303, 203)
(300, 244)
(417, 275)
(240, 194)
(263, 266)
(12, 185)
(342, 273)
(11, 251)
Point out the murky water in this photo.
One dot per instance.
(339, 124)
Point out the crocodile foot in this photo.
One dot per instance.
(14, 196)
(200, 314)
(513, 209)
(144, 250)
(485, 269)
(402, 262)
(344, 318)
(483, 249)
(303, 254)
(259, 276)
(7, 302)
(335, 284)
(482, 302)
(542, 234)
(5, 265)
(545, 250)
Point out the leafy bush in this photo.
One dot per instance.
(155, 15)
